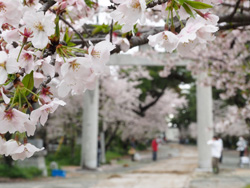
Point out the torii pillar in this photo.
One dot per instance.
(90, 129)
(204, 122)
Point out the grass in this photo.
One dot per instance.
(19, 172)
(110, 155)
(63, 157)
(247, 186)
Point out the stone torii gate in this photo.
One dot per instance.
(90, 114)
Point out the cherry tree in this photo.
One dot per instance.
(56, 43)
(119, 106)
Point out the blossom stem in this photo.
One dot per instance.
(168, 18)
(20, 99)
(27, 100)
(31, 92)
(172, 18)
(149, 2)
(20, 52)
(179, 18)
(12, 102)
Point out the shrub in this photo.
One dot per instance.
(19, 172)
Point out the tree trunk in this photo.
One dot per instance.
(111, 137)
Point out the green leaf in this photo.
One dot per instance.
(57, 32)
(182, 1)
(117, 27)
(198, 5)
(188, 10)
(28, 82)
(71, 44)
(96, 30)
(101, 28)
(89, 3)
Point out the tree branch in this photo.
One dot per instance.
(112, 135)
(156, 2)
(143, 109)
(236, 18)
(46, 6)
(235, 9)
(233, 26)
(84, 43)
(232, 5)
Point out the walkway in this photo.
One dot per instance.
(176, 168)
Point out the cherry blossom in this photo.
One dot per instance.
(2, 145)
(41, 25)
(12, 120)
(10, 12)
(20, 151)
(5, 98)
(166, 39)
(7, 66)
(129, 12)
(42, 113)
(99, 56)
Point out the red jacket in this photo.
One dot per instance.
(154, 145)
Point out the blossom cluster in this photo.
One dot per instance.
(198, 30)
(32, 60)
(39, 64)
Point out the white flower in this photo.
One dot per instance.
(205, 33)
(12, 120)
(188, 33)
(78, 75)
(7, 66)
(99, 55)
(2, 146)
(41, 25)
(165, 39)
(20, 151)
(43, 112)
(129, 12)
(11, 35)
(5, 98)
(30, 128)
(38, 79)
(124, 44)
(46, 67)
(211, 18)
(10, 12)
(26, 59)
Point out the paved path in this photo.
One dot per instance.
(230, 176)
(176, 168)
(171, 173)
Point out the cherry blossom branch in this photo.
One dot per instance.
(234, 26)
(235, 9)
(137, 41)
(111, 31)
(149, 5)
(232, 5)
(236, 18)
(93, 40)
(46, 6)
(156, 2)
(84, 43)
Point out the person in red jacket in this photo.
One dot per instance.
(154, 146)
